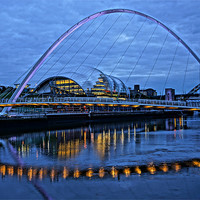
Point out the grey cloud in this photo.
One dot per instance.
(28, 29)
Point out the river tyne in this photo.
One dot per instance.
(134, 159)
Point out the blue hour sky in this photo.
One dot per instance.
(28, 28)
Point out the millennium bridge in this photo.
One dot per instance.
(87, 103)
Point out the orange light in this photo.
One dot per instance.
(127, 172)
(114, 172)
(196, 163)
(44, 104)
(89, 173)
(193, 109)
(92, 137)
(148, 106)
(41, 174)
(76, 173)
(30, 174)
(135, 106)
(65, 104)
(101, 172)
(34, 172)
(138, 170)
(164, 167)
(85, 140)
(76, 104)
(65, 173)
(151, 168)
(172, 107)
(176, 167)
(101, 105)
(10, 170)
(19, 171)
(52, 174)
(124, 105)
(54, 104)
(89, 104)
(161, 107)
(3, 170)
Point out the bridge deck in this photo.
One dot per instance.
(91, 102)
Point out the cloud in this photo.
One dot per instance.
(125, 38)
(28, 28)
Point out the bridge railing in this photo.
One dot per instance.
(107, 100)
(4, 100)
(162, 102)
(188, 103)
(75, 99)
(193, 103)
(66, 99)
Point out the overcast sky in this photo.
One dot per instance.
(28, 28)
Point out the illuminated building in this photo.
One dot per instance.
(66, 86)
(59, 86)
(101, 87)
(105, 85)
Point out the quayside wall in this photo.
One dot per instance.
(12, 125)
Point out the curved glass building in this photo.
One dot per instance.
(98, 85)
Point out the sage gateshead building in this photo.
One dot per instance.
(99, 85)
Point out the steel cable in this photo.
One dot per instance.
(156, 60)
(142, 53)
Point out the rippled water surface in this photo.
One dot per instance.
(57, 158)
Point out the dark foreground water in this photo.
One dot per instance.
(151, 159)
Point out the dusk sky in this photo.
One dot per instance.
(28, 28)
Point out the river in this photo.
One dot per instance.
(141, 159)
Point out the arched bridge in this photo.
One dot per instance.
(154, 104)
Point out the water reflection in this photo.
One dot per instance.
(104, 140)
(102, 150)
(175, 123)
(133, 150)
(54, 174)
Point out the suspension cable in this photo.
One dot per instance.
(110, 48)
(49, 58)
(55, 51)
(185, 72)
(12, 90)
(156, 60)
(170, 68)
(122, 56)
(80, 48)
(84, 44)
(100, 42)
(23, 74)
(97, 45)
(142, 53)
(66, 51)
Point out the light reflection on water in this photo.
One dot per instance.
(109, 172)
(114, 144)
(109, 155)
